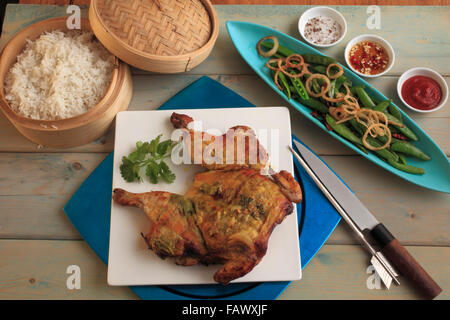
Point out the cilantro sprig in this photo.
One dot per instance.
(149, 155)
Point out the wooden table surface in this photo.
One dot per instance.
(38, 243)
(292, 2)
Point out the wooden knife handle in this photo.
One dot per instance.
(411, 269)
(405, 263)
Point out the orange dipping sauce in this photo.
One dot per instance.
(421, 92)
(368, 57)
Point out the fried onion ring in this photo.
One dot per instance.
(337, 74)
(270, 61)
(339, 98)
(272, 51)
(323, 90)
(381, 128)
(295, 57)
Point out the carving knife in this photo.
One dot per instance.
(361, 220)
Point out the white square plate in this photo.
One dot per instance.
(131, 262)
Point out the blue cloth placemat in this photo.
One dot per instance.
(89, 209)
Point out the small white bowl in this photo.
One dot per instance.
(421, 71)
(322, 11)
(370, 37)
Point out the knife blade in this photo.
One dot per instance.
(380, 264)
(360, 219)
(348, 200)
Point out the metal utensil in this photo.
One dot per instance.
(360, 219)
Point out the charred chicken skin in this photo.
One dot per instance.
(226, 217)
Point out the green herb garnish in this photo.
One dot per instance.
(149, 155)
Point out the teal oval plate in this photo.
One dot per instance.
(246, 35)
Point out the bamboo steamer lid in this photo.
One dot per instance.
(166, 36)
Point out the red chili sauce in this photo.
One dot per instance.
(421, 92)
(368, 57)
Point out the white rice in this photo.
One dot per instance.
(60, 75)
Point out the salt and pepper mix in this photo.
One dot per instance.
(322, 30)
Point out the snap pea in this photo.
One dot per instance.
(299, 87)
(320, 69)
(314, 104)
(395, 112)
(318, 59)
(376, 101)
(286, 52)
(315, 85)
(285, 85)
(384, 139)
(410, 150)
(397, 145)
(309, 58)
(340, 81)
(342, 130)
(393, 129)
(404, 130)
(332, 89)
(400, 146)
(364, 98)
(384, 153)
(382, 106)
(353, 89)
(406, 167)
(402, 158)
(277, 55)
(397, 140)
(357, 126)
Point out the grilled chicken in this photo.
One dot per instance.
(226, 217)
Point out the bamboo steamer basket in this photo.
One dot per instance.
(164, 36)
(70, 132)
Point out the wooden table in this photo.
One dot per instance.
(38, 243)
(292, 2)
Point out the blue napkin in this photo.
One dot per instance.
(90, 207)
